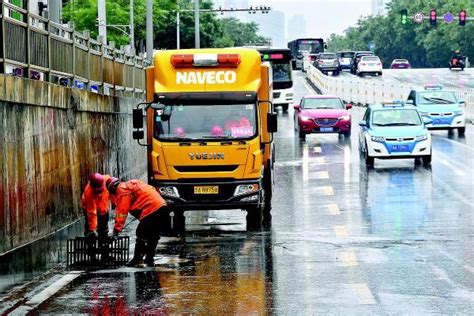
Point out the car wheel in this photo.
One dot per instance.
(461, 130)
(380, 73)
(426, 160)
(347, 133)
(302, 135)
(369, 161)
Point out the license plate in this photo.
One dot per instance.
(400, 147)
(442, 121)
(371, 64)
(326, 129)
(206, 190)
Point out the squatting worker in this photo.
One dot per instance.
(143, 202)
(95, 203)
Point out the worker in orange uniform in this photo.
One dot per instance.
(95, 203)
(144, 203)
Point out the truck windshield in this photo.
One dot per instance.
(206, 122)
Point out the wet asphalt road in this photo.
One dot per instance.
(343, 240)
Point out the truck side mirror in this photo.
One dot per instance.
(137, 118)
(138, 135)
(272, 123)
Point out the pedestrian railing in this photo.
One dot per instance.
(37, 48)
(366, 92)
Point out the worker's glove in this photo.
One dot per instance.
(115, 235)
(92, 235)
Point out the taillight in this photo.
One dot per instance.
(205, 60)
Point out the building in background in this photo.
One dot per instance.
(379, 7)
(296, 27)
(272, 25)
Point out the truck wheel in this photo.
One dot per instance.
(461, 130)
(254, 218)
(284, 107)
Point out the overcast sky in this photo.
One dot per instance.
(323, 17)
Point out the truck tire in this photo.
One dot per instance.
(284, 107)
(461, 130)
(254, 218)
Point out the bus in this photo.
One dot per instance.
(280, 59)
(301, 46)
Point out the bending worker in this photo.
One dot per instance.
(143, 202)
(95, 203)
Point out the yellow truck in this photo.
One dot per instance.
(209, 132)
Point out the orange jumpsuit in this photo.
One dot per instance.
(137, 198)
(95, 204)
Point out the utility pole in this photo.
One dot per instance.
(102, 21)
(149, 30)
(197, 40)
(132, 36)
(177, 30)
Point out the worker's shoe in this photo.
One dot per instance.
(150, 253)
(140, 250)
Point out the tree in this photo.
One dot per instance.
(214, 31)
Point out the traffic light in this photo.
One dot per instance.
(462, 17)
(433, 17)
(404, 16)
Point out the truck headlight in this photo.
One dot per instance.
(289, 94)
(377, 139)
(421, 138)
(169, 191)
(246, 189)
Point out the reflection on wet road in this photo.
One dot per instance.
(344, 240)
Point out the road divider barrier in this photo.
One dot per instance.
(365, 92)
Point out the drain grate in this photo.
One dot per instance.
(82, 252)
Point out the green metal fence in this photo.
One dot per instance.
(37, 48)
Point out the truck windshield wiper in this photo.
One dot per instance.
(216, 137)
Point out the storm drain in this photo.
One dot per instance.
(86, 253)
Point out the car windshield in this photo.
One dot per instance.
(281, 72)
(347, 55)
(396, 117)
(322, 104)
(370, 58)
(437, 97)
(206, 122)
(328, 56)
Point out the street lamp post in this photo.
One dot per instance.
(197, 10)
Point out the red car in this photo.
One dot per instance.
(322, 114)
(400, 64)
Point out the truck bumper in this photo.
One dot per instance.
(183, 195)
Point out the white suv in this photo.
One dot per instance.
(369, 65)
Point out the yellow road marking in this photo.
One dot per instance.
(319, 175)
(363, 294)
(341, 231)
(334, 209)
(349, 259)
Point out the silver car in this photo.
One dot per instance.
(328, 62)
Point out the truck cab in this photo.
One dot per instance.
(210, 125)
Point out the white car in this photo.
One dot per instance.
(369, 65)
(393, 131)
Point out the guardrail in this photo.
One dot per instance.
(365, 92)
(37, 48)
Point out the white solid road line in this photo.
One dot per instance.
(42, 296)
(363, 294)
